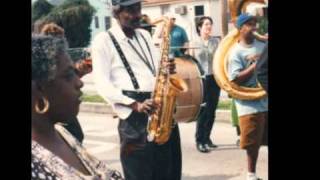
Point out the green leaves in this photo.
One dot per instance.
(40, 9)
(263, 25)
(75, 17)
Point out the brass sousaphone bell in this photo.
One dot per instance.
(220, 62)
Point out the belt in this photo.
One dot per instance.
(139, 96)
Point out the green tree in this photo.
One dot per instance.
(75, 17)
(262, 25)
(40, 9)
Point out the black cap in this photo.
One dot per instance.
(124, 2)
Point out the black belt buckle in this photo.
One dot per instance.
(139, 96)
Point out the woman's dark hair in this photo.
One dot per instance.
(201, 21)
(45, 51)
(47, 43)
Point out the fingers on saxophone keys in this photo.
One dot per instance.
(172, 71)
(171, 66)
(148, 109)
(171, 60)
(153, 106)
(147, 106)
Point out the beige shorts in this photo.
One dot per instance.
(252, 130)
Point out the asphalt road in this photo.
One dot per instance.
(227, 162)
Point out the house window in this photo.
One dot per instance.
(107, 22)
(96, 21)
(199, 11)
(164, 9)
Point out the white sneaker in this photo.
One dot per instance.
(252, 176)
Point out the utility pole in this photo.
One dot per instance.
(224, 17)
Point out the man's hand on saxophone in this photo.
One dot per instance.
(146, 107)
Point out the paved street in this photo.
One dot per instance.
(227, 162)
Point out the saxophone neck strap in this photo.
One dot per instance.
(124, 61)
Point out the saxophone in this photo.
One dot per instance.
(167, 88)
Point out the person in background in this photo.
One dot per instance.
(179, 41)
(207, 45)
(253, 114)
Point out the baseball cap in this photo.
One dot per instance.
(243, 18)
(124, 2)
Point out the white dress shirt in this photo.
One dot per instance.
(110, 75)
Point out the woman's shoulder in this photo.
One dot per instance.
(215, 39)
(39, 170)
(46, 165)
(87, 159)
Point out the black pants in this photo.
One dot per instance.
(207, 117)
(75, 129)
(143, 160)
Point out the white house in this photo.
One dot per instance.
(101, 20)
(187, 11)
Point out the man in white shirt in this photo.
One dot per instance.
(125, 62)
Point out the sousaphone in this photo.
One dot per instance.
(220, 62)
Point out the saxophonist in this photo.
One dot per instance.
(125, 64)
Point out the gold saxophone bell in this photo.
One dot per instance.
(220, 62)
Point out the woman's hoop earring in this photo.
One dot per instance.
(45, 108)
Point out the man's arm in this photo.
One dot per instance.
(245, 74)
(261, 37)
(262, 69)
(101, 65)
(237, 71)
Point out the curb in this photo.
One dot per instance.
(102, 108)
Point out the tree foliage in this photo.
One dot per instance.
(75, 17)
(40, 9)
